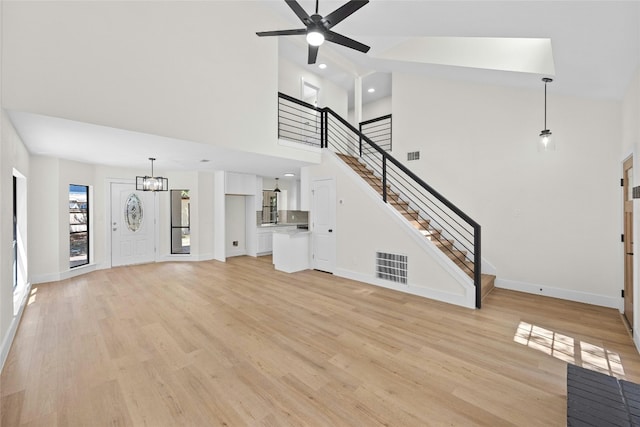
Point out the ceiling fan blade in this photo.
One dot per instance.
(299, 32)
(298, 10)
(335, 17)
(313, 54)
(346, 41)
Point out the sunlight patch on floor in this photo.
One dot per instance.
(569, 349)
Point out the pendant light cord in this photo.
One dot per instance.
(545, 104)
(545, 80)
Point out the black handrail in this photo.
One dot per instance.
(377, 119)
(297, 101)
(379, 130)
(341, 139)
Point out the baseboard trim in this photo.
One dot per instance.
(467, 301)
(231, 254)
(13, 328)
(567, 294)
(56, 277)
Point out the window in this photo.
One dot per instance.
(78, 225)
(180, 222)
(15, 232)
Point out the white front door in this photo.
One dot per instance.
(133, 216)
(323, 222)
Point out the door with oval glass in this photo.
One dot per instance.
(133, 216)
(627, 186)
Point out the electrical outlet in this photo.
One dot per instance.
(235, 243)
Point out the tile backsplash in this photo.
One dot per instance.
(287, 217)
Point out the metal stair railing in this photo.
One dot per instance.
(379, 131)
(335, 133)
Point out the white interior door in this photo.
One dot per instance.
(133, 216)
(323, 222)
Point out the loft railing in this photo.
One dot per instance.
(299, 121)
(337, 134)
(379, 131)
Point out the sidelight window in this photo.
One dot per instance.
(180, 222)
(78, 225)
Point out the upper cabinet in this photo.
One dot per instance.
(239, 183)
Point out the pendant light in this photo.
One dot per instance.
(152, 183)
(546, 137)
(276, 190)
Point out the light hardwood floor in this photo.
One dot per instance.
(235, 344)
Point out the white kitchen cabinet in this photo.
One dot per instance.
(265, 241)
(291, 250)
(239, 183)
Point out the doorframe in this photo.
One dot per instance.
(107, 222)
(20, 199)
(628, 250)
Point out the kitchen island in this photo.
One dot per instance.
(291, 250)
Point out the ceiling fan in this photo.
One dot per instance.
(318, 28)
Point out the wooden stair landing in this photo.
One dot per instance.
(421, 224)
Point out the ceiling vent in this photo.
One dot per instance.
(413, 155)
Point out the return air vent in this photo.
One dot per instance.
(413, 155)
(392, 267)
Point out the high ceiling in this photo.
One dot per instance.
(596, 44)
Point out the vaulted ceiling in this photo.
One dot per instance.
(595, 52)
(596, 44)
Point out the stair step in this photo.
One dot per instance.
(423, 225)
(457, 256)
(488, 284)
(411, 215)
(400, 206)
(445, 245)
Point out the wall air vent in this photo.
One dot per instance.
(392, 267)
(413, 155)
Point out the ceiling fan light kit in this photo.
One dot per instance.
(318, 27)
(315, 38)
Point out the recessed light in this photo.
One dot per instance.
(289, 174)
(371, 90)
(322, 66)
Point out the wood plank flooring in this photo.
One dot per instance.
(240, 344)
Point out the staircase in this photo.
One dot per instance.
(435, 235)
(450, 229)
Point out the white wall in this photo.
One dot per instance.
(13, 155)
(364, 225)
(131, 70)
(373, 110)
(235, 225)
(330, 95)
(205, 216)
(550, 221)
(630, 115)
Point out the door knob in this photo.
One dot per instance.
(330, 230)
